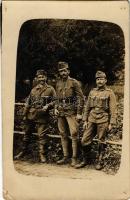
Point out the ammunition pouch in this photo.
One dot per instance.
(34, 113)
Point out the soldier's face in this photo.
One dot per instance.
(41, 79)
(101, 82)
(64, 73)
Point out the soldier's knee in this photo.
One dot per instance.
(83, 141)
(63, 135)
(42, 137)
(42, 142)
(74, 135)
(86, 141)
(26, 137)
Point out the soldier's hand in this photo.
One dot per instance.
(78, 117)
(85, 125)
(24, 118)
(112, 127)
(56, 112)
(109, 127)
(44, 108)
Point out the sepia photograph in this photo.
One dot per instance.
(65, 105)
(69, 97)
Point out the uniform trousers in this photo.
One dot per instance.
(41, 129)
(66, 125)
(93, 129)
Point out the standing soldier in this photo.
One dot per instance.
(39, 102)
(69, 110)
(100, 113)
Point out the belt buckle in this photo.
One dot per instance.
(97, 109)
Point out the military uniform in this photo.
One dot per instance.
(39, 97)
(100, 110)
(70, 103)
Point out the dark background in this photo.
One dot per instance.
(87, 46)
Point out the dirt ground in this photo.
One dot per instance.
(55, 171)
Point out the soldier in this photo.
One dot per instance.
(69, 110)
(100, 112)
(35, 80)
(39, 102)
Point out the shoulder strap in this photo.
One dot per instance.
(42, 90)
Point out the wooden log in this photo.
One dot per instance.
(58, 136)
(20, 104)
(109, 142)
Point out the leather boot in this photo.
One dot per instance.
(99, 164)
(23, 152)
(64, 142)
(73, 162)
(63, 161)
(82, 164)
(85, 153)
(42, 157)
(19, 155)
(74, 150)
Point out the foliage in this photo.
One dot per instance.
(87, 46)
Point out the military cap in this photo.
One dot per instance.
(62, 65)
(100, 74)
(41, 72)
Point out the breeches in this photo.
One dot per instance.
(41, 129)
(92, 130)
(68, 124)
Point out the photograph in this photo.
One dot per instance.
(69, 97)
(65, 100)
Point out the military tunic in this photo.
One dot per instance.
(70, 97)
(70, 101)
(100, 110)
(39, 97)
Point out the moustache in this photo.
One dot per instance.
(41, 80)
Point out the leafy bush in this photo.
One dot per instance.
(86, 45)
